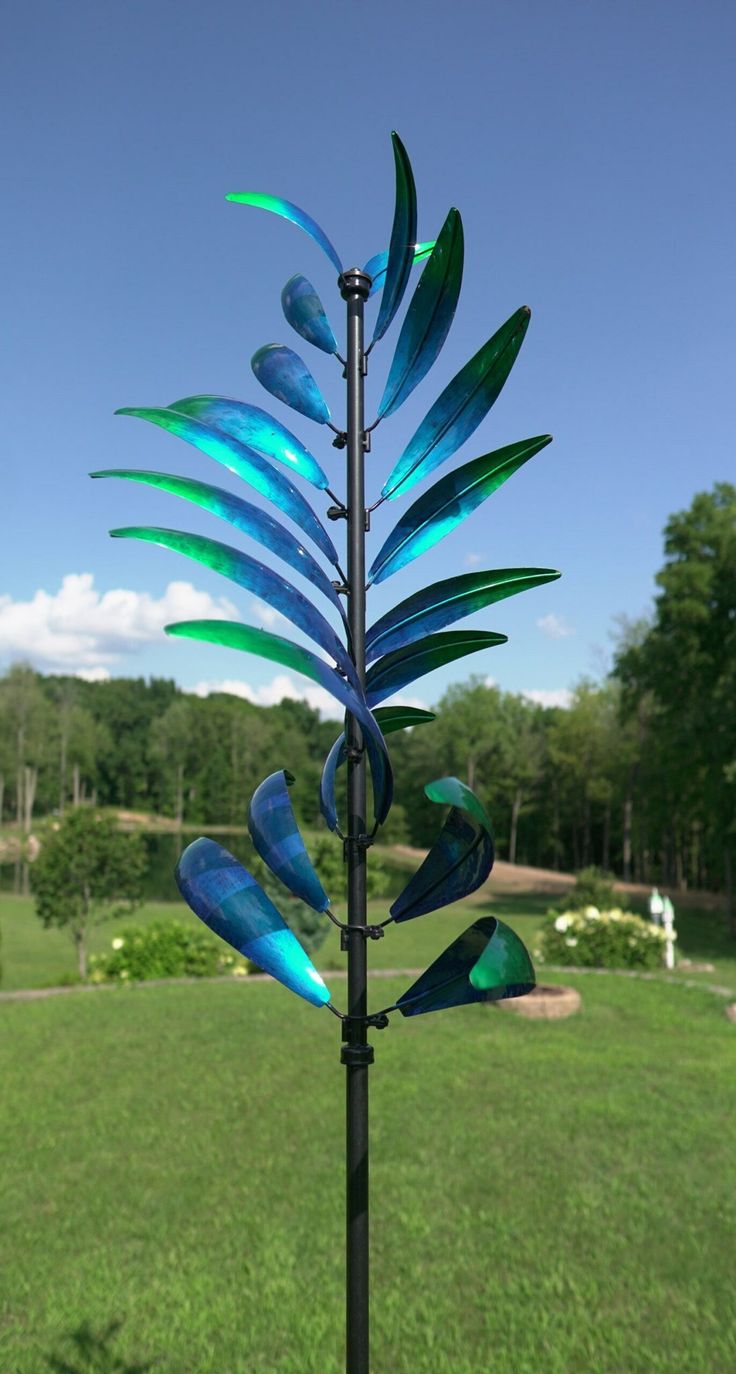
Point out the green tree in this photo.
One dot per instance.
(87, 870)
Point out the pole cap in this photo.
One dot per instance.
(354, 282)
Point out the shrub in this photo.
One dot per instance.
(600, 939)
(593, 887)
(164, 949)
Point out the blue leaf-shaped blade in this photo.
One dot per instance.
(448, 601)
(288, 210)
(460, 408)
(486, 963)
(256, 428)
(403, 238)
(282, 372)
(229, 900)
(389, 719)
(375, 267)
(448, 503)
(239, 458)
(246, 639)
(428, 319)
(305, 313)
(275, 835)
(243, 516)
(460, 859)
(256, 577)
(396, 670)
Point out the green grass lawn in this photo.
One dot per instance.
(548, 1198)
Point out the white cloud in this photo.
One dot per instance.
(267, 615)
(490, 682)
(93, 674)
(553, 696)
(472, 559)
(81, 628)
(555, 627)
(271, 693)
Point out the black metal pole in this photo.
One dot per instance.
(357, 1054)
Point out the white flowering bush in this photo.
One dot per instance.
(165, 949)
(591, 938)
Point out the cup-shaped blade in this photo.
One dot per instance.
(460, 859)
(282, 372)
(229, 900)
(305, 313)
(275, 835)
(485, 964)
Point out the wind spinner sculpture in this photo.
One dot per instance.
(487, 961)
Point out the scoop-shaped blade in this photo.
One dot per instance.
(445, 602)
(246, 462)
(282, 372)
(389, 718)
(460, 859)
(450, 501)
(256, 428)
(460, 408)
(394, 671)
(276, 837)
(403, 237)
(428, 319)
(229, 900)
(286, 208)
(486, 963)
(305, 313)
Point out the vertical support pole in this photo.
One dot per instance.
(357, 1054)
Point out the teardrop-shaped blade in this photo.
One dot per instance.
(256, 428)
(428, 319)
(243, 460)
(445, 602)
(305, 313)
(396, 670)
(288, 210)
(460, 408)
(276, 837)
(243, 516)
(390, 718)
(229, 900)
(485, 964)
(282, 372)
(448, 502)
(460, 859)
(256, 577)
(246, 639)
(403, 238)
(375, 267)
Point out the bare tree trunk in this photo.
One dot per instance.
(2, 795)
(556, 832)
(29, 797)
(19, 797)
(606, 856)
(515, 809)
(81, 947)
(471, 772)
(75, 785)
(728, 874)
(586, 834)
(62, 762)
(179, 794)
(628, 812)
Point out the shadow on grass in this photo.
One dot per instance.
(92, 1353)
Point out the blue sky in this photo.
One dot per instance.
(589, 148)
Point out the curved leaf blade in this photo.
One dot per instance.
(460, 859)
(256, 428)
(389, 719)
(304, 311)
(256, 577)
(396, 670)
(232, 904)
(403, 238)
(286, 376)
(375, 267)
(486, 963)
(243, 516)
(243, 460)
(448, 601)
(246, 639)
(286, 208)
(461, 407)
(448, 503)
(277, 838)
(428, 319)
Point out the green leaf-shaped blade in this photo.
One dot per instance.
(429, 316)
(461, 407)
(403, 239)
(447, 504)
(447, 601)
(278, 206)
(396, 670)
(391, 718)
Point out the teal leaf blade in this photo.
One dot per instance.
(277, 838)
(448, 601)
(460, 859)
(461, 407)
(396, 670)
(286, 376)
(403, 238)
(448, 503)
(255, 427)
(428, 319)
(375, 267)
(304, 311)
(239, 458)
(287, 210)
